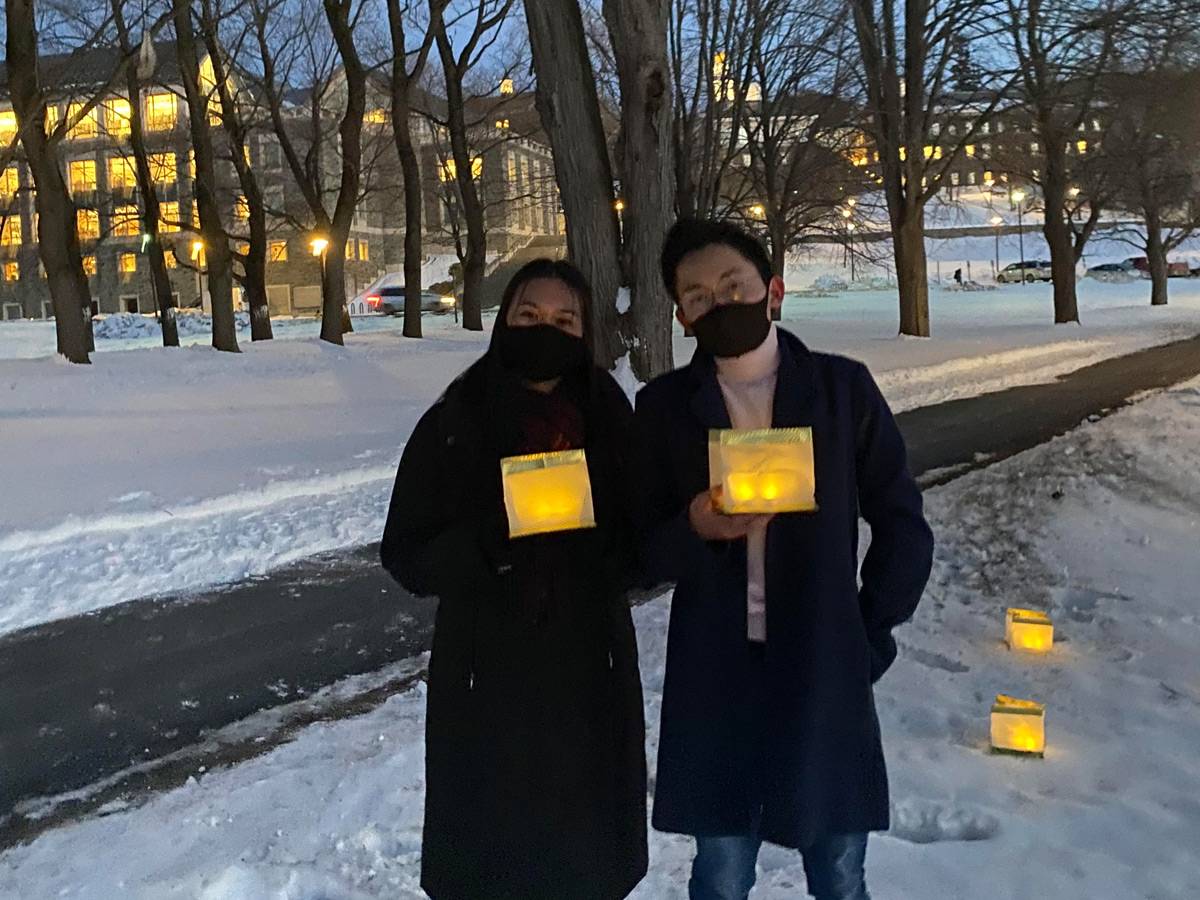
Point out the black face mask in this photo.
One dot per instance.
(733, 329)
(540, 352)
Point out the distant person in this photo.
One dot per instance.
(535, 743)
(958, 277)
(769, 731)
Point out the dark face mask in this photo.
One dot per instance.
(733, 329)
(540, 352)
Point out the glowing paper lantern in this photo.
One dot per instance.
(546, 492)
(1018, 726)
(768, 470)
(1028, 629)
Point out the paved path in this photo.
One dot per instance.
(89, 696)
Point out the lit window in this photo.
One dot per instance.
(987, 178)
(89, 265)
(84, 128)
(1034, 147)
(937, 152)
(364, 250)
(52, 118)
(241, 208)
(449, 171)
(903, 154)
(507, 88)
(192, 164)
(512, 168)
(195, 214)
(952, 128)
(350, 249)
(161, 112)
(169, 259)
(81, 173)
(8, 125)
(1095, 124)
(970, 178)
(986, 128)
(999, 126)
(87, 224)
(954, 178)
(970, 149)
(12, 271)
(127, 263)
(503, 124)
(162, 168)
(1081, 146)
(116, 117)
(10, 183)
(10, 232)
(928, 151)
(125, 221)
(122, 174)
(277, 251)
(376, 117)
(168, 217)
(242, 247)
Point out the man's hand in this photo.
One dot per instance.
(713, 525)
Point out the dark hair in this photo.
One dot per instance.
(558, 269)
(689, 235)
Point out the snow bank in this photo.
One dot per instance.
(1098, 527)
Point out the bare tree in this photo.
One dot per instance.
(1062, 50)
(58, 239)
(404, 79)
(213, 237)
(135, 79)
(237, 120)
(344, 88)
(485, 23)
(907, 52)
(613, 252)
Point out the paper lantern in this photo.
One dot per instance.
(546, 492)
(1018, 726)
(768, 470)
(1028, 629)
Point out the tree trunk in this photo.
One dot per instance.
(1058, 231)
(410, 166)
(254, 263)
(216, 249)
(569, 108)
(1156, 256)
(160, 281)
(912, 276)
(58, 239)
(638, 32)
(335, 318)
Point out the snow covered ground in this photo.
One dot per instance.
(1099, 527)
(153, 471)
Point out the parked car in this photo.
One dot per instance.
(1114, 272)
(1175, 269)
(1028, 270)
(389, 301)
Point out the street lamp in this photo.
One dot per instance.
(1019, 198)
(850, 226)
(996, 222)
(319, 244)
(758, 210)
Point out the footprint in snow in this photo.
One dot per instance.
(926, 822)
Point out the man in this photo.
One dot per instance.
(769, 729)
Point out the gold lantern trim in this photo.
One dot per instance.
(763, 471)
(1018, 726)
(547, 492)
(1028, 629)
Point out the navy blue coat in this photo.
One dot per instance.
(788, 738)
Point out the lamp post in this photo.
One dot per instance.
(319, 244)
(1019, 199)
(996, 223)
(850, 229)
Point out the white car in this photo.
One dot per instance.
(1027, 271)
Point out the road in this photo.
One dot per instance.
(92, 695)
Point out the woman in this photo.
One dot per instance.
(534, 757)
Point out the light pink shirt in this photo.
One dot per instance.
(748, 385)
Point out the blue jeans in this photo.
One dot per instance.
(724, 867)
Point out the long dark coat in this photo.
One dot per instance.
(788, 738)
(535, 755)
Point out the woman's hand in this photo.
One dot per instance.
(711, 524)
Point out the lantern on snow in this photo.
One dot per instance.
(1028, 629)
(1018, 726)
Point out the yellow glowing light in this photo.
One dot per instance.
(1018, 726)
(1018, 196)
(318, 245)
(546, 492)
(768, 470)
(1028, 629)
(619, 206)
(758, 210)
